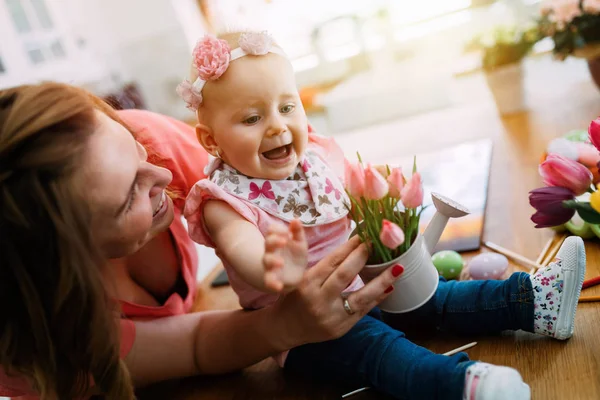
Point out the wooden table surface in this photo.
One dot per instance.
(561, 97)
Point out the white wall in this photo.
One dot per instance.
(111, 42)
(138, 40)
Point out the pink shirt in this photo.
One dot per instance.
(173, 145)
(322, 239)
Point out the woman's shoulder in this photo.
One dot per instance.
(171, 144)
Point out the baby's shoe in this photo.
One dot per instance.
(491, 382)
(556, 289)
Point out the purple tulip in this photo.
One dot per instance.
(548, 202)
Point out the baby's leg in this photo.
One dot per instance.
(475, 307)
(544, 303)
(374, 354)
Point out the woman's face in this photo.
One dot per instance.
(126, 193)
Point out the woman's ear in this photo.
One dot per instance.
(206, 139)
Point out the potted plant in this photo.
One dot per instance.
(574, 27)
(386, 212)
(502, 51)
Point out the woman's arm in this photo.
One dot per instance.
(224, 341)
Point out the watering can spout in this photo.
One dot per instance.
(445, 209)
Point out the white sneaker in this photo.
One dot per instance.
(557, 288)
(491, 382)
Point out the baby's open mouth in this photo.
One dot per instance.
(278, 153)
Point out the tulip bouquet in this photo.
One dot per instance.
(377, 196)
(570, 189)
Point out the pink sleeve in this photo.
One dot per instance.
(201, 192)
(329, 151)
(171, 144)
(127, 336)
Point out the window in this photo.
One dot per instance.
(57, 49)
(42, 13)
(19, 16)
(34, 24)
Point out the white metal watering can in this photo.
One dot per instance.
(420, 279)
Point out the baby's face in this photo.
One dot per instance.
(256, 117)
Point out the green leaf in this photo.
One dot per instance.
(414, 164)
(585, 211)
(359, 157)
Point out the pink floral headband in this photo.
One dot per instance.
(211, 58)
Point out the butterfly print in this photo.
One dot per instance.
(329, 188)
(314, 174)
(296, 192)
(237, 190)
(314, 213)
(266, 190)
(278, 199)
(305, 165)
(225, 176)
(297, 209)
(323, 199)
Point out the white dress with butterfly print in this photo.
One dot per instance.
(314, 194)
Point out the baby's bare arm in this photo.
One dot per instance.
(238, 241)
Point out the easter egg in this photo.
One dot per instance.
(488, 266)
(448, 263)
(577, 135)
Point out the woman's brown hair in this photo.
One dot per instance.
(57, 326)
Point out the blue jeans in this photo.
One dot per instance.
(374, 354)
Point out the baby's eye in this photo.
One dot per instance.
(252, 120)
(288, 108)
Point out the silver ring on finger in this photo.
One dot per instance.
(347, 307)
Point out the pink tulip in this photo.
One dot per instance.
(396, 182)
(355, 180)
(391, 235)
(376, 187)
(594, 133)
(562, 172)
(412, 193)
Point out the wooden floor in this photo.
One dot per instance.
(554, 370)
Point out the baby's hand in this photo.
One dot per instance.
(286, 256)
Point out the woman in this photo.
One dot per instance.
(84, 220)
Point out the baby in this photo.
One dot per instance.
(273, 204)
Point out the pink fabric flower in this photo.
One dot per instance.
(396, 181)
(594, 133)
(376, 187)
(255, 43)
(355, 180)
(591, 6)
(412, 193)
(189, 94)
(564, 11)
(211, 57)
(391, 235)
(562, 172)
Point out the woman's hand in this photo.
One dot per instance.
(315, 311)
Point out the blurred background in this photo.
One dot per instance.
(388, 69)
(358, 62)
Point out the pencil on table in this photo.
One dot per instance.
(553, 251)
(589, 299)
(511, 254)
(591, 282)
(544, 251)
